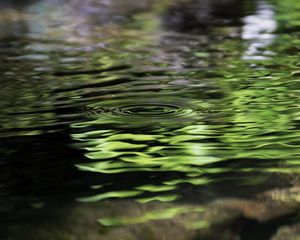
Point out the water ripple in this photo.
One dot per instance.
(194, 115)
(146, 110)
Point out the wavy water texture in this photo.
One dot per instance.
(152, 101)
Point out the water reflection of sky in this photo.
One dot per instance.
(258, 32)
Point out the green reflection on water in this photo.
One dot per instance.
(253, 115)
(166, 213)
(121, 194)
(155, 188)
(160, 198)
(137, 97)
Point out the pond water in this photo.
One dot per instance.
(117, 115)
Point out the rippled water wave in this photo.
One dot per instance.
(129, 104)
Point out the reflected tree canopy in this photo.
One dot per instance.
(122, 114)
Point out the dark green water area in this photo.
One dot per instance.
(149, 120)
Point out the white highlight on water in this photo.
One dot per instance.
(258, 32)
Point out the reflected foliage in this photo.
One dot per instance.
(153, 101)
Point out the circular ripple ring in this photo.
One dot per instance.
(145, 110)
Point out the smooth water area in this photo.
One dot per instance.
(117, 115)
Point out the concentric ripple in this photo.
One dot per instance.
(142, 110)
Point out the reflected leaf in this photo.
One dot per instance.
(115, 146)
(133, 137)
(160, 198)
(167, 213)
(107, 195)
(194, 181)
(155, 188)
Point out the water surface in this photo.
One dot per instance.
(150, 102)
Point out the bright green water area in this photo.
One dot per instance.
(180, 102)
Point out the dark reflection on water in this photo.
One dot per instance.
(152, 101)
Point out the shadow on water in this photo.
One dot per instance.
(185, 111)
(199, 16)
